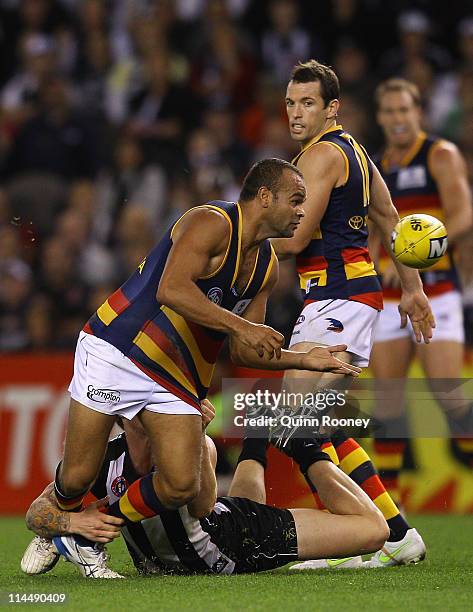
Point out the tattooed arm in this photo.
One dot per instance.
(47, 520)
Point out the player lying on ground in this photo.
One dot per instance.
(206, 535)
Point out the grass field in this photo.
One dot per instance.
(444, 581)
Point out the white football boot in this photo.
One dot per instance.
(317, 564)
(40, 556)
(89, 557)
(411, 549)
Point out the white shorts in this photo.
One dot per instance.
(448, 313)
(331, 322)
(107, 381)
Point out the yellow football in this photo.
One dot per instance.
(419, 240)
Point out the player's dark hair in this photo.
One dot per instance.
(308, 72)
(398, 84)
(265, 173)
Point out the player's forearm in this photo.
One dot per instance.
(409, 278)
(242, 356)
(187, 300)
(46, 520)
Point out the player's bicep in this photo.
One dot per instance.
(449, 171)
(198, 238)
(321, 172)
(381, 210)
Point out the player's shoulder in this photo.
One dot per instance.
(207, 219)
(442, 153)
(323, 155)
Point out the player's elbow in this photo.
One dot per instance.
(167, 294)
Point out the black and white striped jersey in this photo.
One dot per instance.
(238, 536)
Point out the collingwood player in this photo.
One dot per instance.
(206, 535)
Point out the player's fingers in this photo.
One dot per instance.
(349, 367)
(417, 330)
(279, 338)
(403, 316)
(278, 353)
(112, 520)
(337, 348)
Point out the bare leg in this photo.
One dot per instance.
(444, 359)
(85, 446)
(354, 525)
(176, 445)
(248, 481)
(390, 374)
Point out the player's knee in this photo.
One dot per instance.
(179, 491)
(75, 481)
(377, 532)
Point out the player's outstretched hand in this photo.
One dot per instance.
(208, 413)
(415, 306)
(94, 524)
(265, 340)
(323, 359)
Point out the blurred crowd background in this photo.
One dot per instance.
(116, 117)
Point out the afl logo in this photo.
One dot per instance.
(215, 295)
(300, 320)
(119, 486)
(356, 222)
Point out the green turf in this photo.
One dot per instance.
(444, 581)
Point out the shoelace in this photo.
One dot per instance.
(44, 546)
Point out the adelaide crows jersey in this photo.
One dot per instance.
(413, 190)
(178, 353)
(336, 263)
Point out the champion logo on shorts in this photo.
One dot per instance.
(119, 486)
(335, 325)
(103, 396)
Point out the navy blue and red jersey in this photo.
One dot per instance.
(177, 353)
(414, 190)
(336, 263)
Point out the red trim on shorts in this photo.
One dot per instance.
(168, 386)
(373, 299)
(87, 329)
